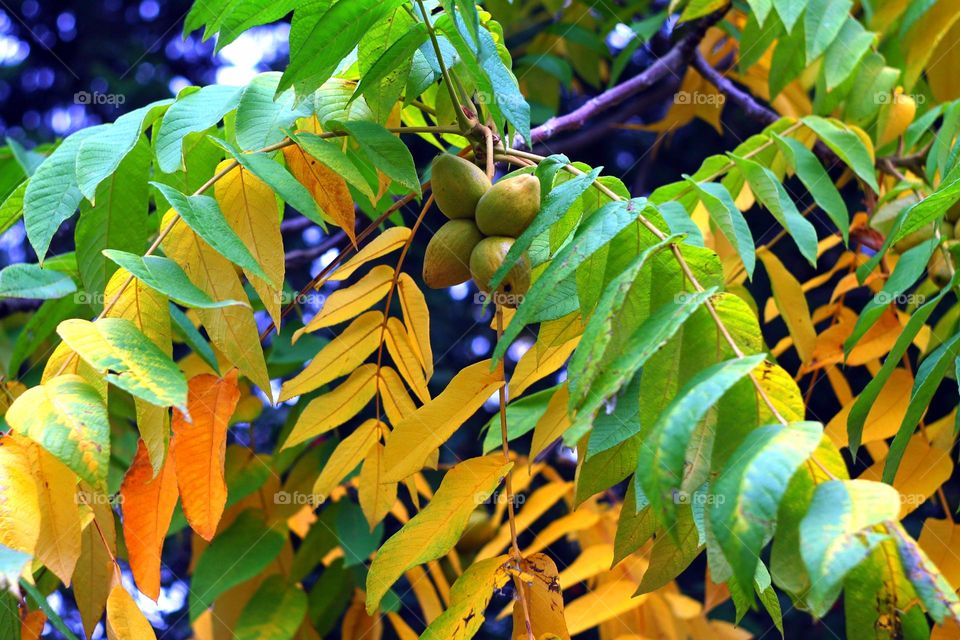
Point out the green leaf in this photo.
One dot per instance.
(821, 24)
(67, 417)
(275, 176)
(386, 152)
(662, 458)
(672, 552)
(383, 78)
(770, 192)
(34, 282)
(246, 14)
(196, 111)
(99, 156)
(40, 327)
(554, 205)
(138, 366)
(165, 276)
(725, 214)
(815, 178)
(193, 339)
(319, 41)
(52, 195)
(761, 9)
(522, 417)
(910, 267)
(636, 525)
(28, 160)
(931, 208)
(748, 492)
(648, 338)
(203, 215)
(789, 11)
(274, 612)
(845, 52)
(591, 352)
(233, 557)
(847, 145)
(118, 219)
(836, 534)
(261, 120)
(930, 374)
(599, 229)
(11, 210)
(936, 593)
(352, 525)
(613, 445)
(331, 155)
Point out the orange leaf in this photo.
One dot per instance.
(148, 504)
(199, 449)
(328, 189)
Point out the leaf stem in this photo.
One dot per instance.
(508, 481)
(458, 108)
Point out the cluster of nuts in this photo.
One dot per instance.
(485, 220)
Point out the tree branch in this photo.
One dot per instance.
(673, 63)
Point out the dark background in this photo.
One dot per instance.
(51, 52)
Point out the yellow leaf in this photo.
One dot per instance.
(124, 619)
(376, 497)
(924, 36)
(231, 329)
(94, 570)
(250, 208)
(401, 352)
(603, 603)
(469, 597)
(344, 304)
(199, 450)
(339, 357)
(335, 407)
(423, 431)
(58, 545)
(435, 530)
(358, 624)
(64, 356)
(532, 508)
(875, 343)
(592, 561)
(416, 318)
(384, 244)
(148, 504)
(327, 187)
(576, 521)
(541, 586)
(940, 540)
(792, 304)
(148, 310)
(19, 503)
(426, 595)
(396, 401)
(345, 458)
(553, 423)
(402, 629)
(922, 470)
(885, 415)
(556, 340)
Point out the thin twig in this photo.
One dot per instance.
(508, 482)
